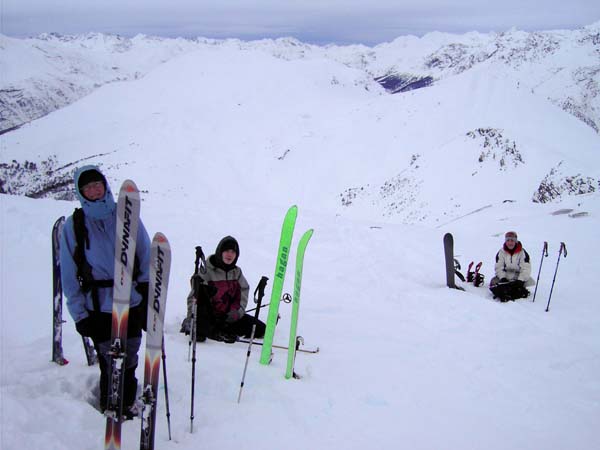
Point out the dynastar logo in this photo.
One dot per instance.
(126, 233)
(282, 263)
(158, 280)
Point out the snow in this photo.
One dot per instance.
(403, 361)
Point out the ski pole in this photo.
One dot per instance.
(261, 306)
(196, 286)
(193, 347)
(260, 290)
(544, 254)
(164, 364)
(561, 250)
(284, 347)
(193, 318)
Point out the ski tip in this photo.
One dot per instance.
(129, 186)
(159, 237)
(291, 215)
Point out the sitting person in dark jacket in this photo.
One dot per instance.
(222, 298)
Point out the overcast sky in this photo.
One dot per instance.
(315, 21)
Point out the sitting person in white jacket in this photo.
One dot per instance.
(513, 270)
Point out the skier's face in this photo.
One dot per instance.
(228, 256)
(510, 243)
(93, 191)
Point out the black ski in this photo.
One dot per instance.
(452, 266)
(57, 350)
(57, 320)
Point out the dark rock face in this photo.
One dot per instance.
(556, 184)
(395, 83)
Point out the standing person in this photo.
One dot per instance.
(221, 308)
(513, 270)
(87, 254)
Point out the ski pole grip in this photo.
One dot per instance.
(563, 248)
(545, 249)
(200, 257)
(260, 289)
(197, 262)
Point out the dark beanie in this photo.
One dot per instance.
(90, 176)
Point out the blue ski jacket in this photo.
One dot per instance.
(101, 222)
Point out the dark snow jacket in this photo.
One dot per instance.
(231, 287)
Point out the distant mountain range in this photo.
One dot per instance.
(415, 130)
(562, 66)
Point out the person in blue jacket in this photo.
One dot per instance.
(87, 275)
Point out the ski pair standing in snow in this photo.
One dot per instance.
(87, 278)
(57, 321)
(221, 305)
(285, 242)
(513, 270)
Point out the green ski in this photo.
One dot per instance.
(294, 339)
(287, 231)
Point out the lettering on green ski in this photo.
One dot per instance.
(296, 302)
(285, 241)
(283, 259)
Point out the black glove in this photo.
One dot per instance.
(142, 288)
(86, 327)
(503, 280)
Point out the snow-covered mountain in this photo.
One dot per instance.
(487, 114)
(562, 66)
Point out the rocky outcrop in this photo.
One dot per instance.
(556, 184)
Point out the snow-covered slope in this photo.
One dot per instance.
(428, 155)
(402, 358)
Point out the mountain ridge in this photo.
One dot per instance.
(433, 57)
(297, 125)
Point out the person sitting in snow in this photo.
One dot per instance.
(87, 259)
(222, 300)
(513, 270)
